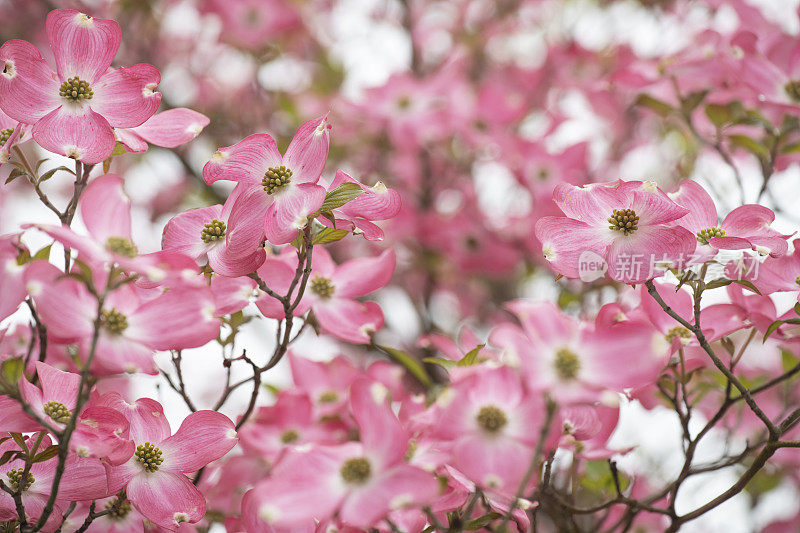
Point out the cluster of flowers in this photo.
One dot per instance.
(475, 439)
(121, 455)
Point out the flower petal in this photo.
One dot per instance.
(166, 498)
(308, 151)
(28, 86)
(246, 161)
(402, 486)
(58, 386)
(361, 276)
(289, 212)
(126, 97)
(83, 46)
(380, 431)
(182, 232)
(248, 208)
(204, 436)
(349, 320)
(565, 241)
(634, 259)
(79, 133)
(178, 319)
(106, 209)
(702, 211)
(172, 127)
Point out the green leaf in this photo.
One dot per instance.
(20, 440)
(719, 115)
(747, 284)
(12, 370)
(9, 455)
(327, 235)
(751, 145)
(692, 100)
(49, 453)
(49, 174)
(119, 149)
(472, 356)
(771, 329)
(717, 283)
(481, 521)
(410, 363)
(441, 361)
(298, 241)
(340, 196)
(15, 173)
(790, 148)
(661, 108)
(797, 308)
(44, 253)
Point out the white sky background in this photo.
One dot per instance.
(370, 52)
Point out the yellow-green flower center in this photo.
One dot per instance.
(678, 332)
(213, 231)
(113, 321)
(709, 233)
(567, 364)
(329, 396)
(491, 418)
(15, 479)
(75, 89)
(149, 456)
(276, 178)
(5, 134)
(57, 411)
(289, 436)
(356, 470)
(118, 511)
(793, 90)
(121, 246)
(624, 220)
(322, 287)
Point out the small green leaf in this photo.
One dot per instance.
(49, 174)
(44, 253)
(481, 521)
(15, 173)
(747, 284)
(298, 241)
(49, 453)
(327, 235)
(751, 145)
(771, 329)
(119, 149)
(9, 455)
(12, 370)
(472, 356)
(719, 115)
(692, 100)
(340, 196)
(442, 362)
(717, 283)
(661, 108)
(20, 440)
(410, 363)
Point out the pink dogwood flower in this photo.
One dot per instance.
(275, 194)
(10, 134)
(73, 110)
(361, 481)
(493, 425)
(622, 223)
(132, 327)
(745, 228)
(154, 478)
(83, 479)
(332, 291)
(575, 361)
(203, 234)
